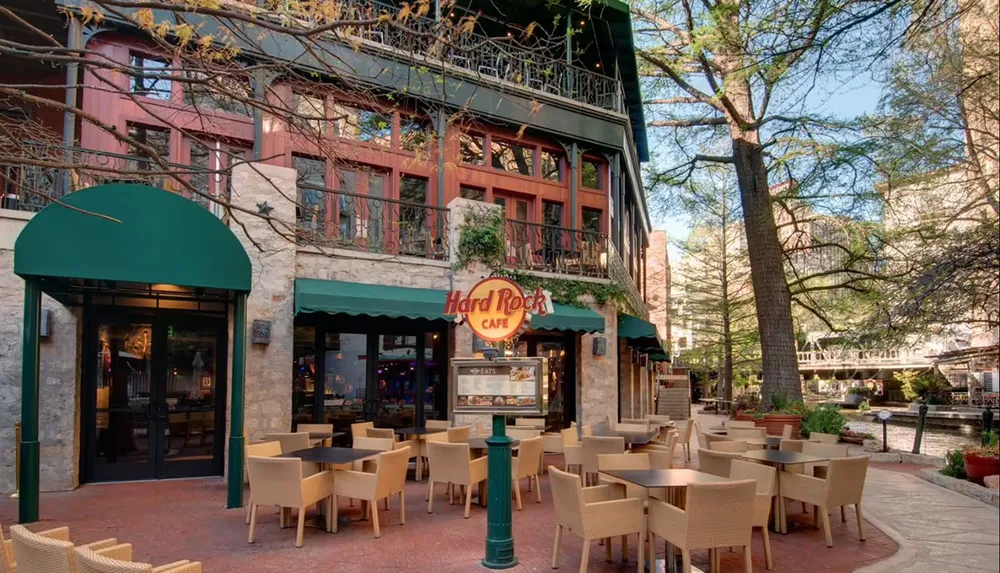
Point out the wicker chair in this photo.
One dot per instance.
(525, 465)
(587, 430)
(8, 564)
(686, 438)
(745, 433)
(290, 442)
(459, 434)
(572, 450)
(716, 463)
(450, 464)
(428, 438)
(620, 489)
(522, 432)
(88, 561)
(786, 432)
(538, 423)
(765, 478)
(844, 485)
(791, 445)
(824, 438)
(382, 433)
(481, 428)
(389, 479)
(280, 482)
(591, 514)
(438, 424)
(594, 446)
(742, 424)
(261, 450)
(325, 428)
(660, 418)
(360, 429)
(735, 446)
(50, 551)
(632, 427)
(716, 515)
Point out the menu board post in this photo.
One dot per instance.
(499, 533)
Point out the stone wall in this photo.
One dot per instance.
(268, 367)
(59, 384)
(597, 376)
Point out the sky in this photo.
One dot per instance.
(844, 99)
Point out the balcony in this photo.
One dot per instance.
(337, 219)
(482, 56)
(538, 247)
(853, 358)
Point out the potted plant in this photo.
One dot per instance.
(984, 460)
(783, 413)
(744, 406)
(825, 419)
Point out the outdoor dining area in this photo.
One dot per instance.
(635, 487)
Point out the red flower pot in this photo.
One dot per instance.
(775, 423)
(742, 416)
(978, 467)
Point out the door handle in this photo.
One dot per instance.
(161, 408)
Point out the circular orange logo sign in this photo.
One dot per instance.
(496, 307)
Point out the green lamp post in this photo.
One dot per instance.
(499, 533)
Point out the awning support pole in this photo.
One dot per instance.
(27, 504)
(236, 439)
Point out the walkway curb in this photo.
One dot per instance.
(900, 560)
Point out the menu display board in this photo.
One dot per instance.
(512, 385)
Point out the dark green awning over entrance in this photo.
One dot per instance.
(132, 233)
(357, 299)
(641, 334)
(569, 318)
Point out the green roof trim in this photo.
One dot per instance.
(358, 299)
(132, 233)
(568, 318)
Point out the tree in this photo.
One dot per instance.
(715, 279)
(739, 71)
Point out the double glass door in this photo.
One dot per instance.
(156, 396)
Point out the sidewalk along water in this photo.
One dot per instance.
(936, 441)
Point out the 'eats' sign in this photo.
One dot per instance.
(496, 307)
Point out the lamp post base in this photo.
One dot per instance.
(499, 533)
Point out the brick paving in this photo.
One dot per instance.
(186, 519)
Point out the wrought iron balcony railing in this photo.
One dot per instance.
(538, 247)
(475, 52)
(337, 219)
(618, 273)
(33, 184)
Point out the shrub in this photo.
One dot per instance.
(864, 406)
(747, 402)
(923, 386)
(825, 419)
(954, 465)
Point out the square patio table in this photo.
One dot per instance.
(779, 460)
(763, 443)
(328, 457)
(631, 438)
(418, 433)
(324, 436)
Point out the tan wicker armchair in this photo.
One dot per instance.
(716, 515)
(587, 430)
(632, 427)
(659, 418)
(280, 482)
(716, 463)
(791, 445)
(88, 561)
(764, 476)
(786, 432)
(317, 428)
(428, 438)
(745, 433)
(537, 423)
(438, 424)
(459, 434)
(522, 432)
(450, 464)
(734, 446)
(593, 446)
(591, 514)
(48, 551)
(481, 428)
(388, 480)
(741, 424)
(844, 485)
(685, 436)
(620, 489)
(360, 429)
(381, 433)
(525, 465)
(824, 438)
(8, 563)
(572, 450)
(261, 450)
(291, 441)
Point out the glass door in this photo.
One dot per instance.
(561, 353)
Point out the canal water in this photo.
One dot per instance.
(936, 441)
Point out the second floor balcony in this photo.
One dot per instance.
(855, 358)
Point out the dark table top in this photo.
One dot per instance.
(782, 458)
(415, 431)
(325, 435)
(479, 443)
(335, 456)
(634, 438)
(769, 442)
(664, 478)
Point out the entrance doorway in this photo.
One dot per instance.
(155, 394)
(560, 349)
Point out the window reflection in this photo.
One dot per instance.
(512, 157)
(590, 174)
(470, 148)
(551, 166)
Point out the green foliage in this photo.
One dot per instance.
(481, 239)
(922, 386)
(991, 439)
(747, 402)
(825, 419)
(864, 406)
(571, 292)
(954, 465)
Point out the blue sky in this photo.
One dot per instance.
(841, 97)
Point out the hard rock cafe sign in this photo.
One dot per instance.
(496, 308)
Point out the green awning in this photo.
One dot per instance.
(357, 299)
(132, 233)
(641, 335)
(660, 357)
(569, 318)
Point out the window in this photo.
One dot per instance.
(474, 193)
(470, 148)
(412, 235)
(552, 234)
(155, 137)
(311, 208)
(346, 207)
(217, 94)
(199, 160)
(590, 174)
(375, 127)
(551, 166)
(512, 157)
(151, 77)
(309, 113)
(375, 207)
(552, 213)
(303, 373)
(591, 220)
(414, 133)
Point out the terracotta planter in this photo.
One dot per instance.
(978, 467)
(741, 416)
(775, 423)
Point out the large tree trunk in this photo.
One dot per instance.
(771, 294)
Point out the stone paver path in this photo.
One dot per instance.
(938, 530)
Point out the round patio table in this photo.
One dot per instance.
(779, 460)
